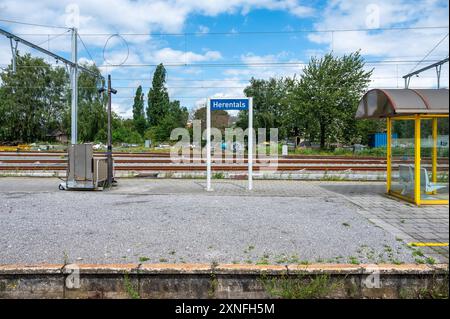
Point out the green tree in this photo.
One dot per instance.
(124, 132)
(92, 114)
(138, 112)
(329, 91)
(33, 100)
(175, 117)
(269, 104)
(219, 118)
(158, 97)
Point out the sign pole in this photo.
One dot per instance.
(239, 104)
(250, 143)
(208, 146)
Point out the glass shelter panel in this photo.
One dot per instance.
(402, 158)
(434, 159)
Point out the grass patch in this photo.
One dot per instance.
(436, 289)
(419, 261)
(130, 289)
(299, 287)
(143, 259)
(219, 175)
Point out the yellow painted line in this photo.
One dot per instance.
(428, 244)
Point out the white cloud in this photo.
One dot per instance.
(399, 45)
(359, 14)
(122, 110)
(96, 16)
(169, 55)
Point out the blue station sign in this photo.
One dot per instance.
(229, 104)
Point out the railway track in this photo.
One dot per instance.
(57, 161)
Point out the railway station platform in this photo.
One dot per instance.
(176, 221)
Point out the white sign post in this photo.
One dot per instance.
(208, 146)
(229, 104)
(250, 143)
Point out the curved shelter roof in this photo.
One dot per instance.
(381, 103)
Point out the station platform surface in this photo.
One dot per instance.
(177, 221)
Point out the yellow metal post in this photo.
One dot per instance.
(389, 155)
(417, 161)
(435, 155)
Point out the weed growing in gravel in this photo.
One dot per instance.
(65, 258)
(417, 252)
(249, 249)
(397, 262)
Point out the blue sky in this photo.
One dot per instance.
(142, 22)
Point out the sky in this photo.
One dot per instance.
(211, 48)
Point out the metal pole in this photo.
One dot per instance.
(250, 143)
(74, 85)
(14, 55)
(417, 163)
(434, 154)
(109, 151)
(389, 155)
(208, 146)
(438, 73)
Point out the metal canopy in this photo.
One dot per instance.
(381, 103)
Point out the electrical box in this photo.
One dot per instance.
(100, 171)
(85, 171)
(80, 172)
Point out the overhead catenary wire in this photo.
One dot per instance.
(132, 97)
(249, 64)
(275, 32)
(148, 86)
(33, 24)
(54, 37)
(254, 64)
(86, 49)
(429, 52)
(181, 34)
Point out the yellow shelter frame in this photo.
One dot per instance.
(417, 157)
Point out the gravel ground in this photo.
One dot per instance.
(119, 227)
